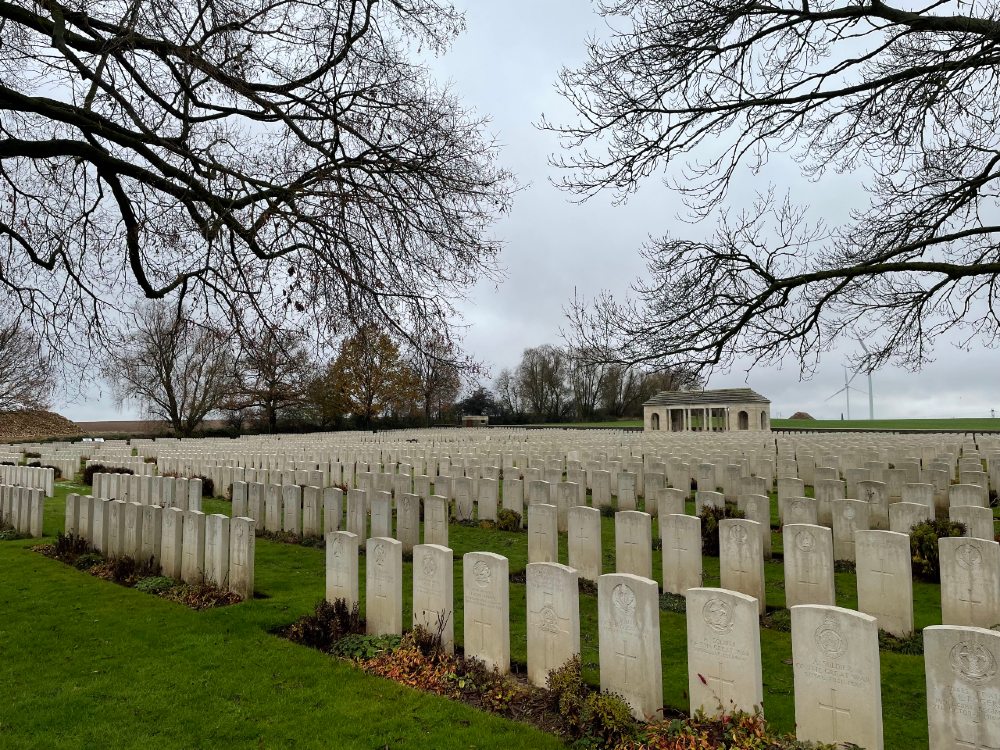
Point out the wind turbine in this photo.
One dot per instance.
(846, 390)
(871, 391)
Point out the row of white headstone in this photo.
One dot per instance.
(23, 509)
(835, 652)
(167, 492)
(35, 477)
(137, 464)
(186, 545)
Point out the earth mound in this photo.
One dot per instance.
(801, 415)
(35, 425)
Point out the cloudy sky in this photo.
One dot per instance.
(505, 67)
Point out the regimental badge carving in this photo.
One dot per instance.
(482, 573)
(973, 661)
(338, 547)
(969, 556)
(751, 508)
(718, 615)
(430, 566)
(548, 620)
(624, 599)
(805, 541)
(849, 513)
(379, 554)
(738, 535)
(830, 640)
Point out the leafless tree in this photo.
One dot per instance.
(436, 376)
(175, 369)
(509, 397)
(263, 158)
(26, 375)
(586, 375)
(905, 96)
(273, 375)
(541, 380)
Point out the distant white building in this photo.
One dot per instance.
(724, 410)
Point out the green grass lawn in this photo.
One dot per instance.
(90, 664)
(970, 425)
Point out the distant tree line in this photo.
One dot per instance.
(184, 370)
(558, 384)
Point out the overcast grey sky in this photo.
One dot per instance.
(505, 67)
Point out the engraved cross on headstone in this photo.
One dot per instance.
(483, 627)
(626, 656)
(882, 573)
(720, 683)
(834, 711)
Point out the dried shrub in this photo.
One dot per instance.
(207, 486)
(924, 547)
(733, 730)
(508, 520)
(89, 471)
(68, 547)
(710, 517)
(200, 596)
(329, 623)
(410, 665)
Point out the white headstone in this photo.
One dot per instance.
(835, 661)
(342, 567)
(384, 586)
(433, 592)
(553, 614)
(723, 647)
(486, 596)
(629, 642)
(808, 564)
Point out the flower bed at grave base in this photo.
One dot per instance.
(125, 571)
(566, 707)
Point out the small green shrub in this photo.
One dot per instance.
(155, 584)
(88, 560)
(710, 517)
(673, 602)
(924, 547)
(608, 511)
(357, 646)
(777, 619)
(508, 520)
(912, 645)
(32, 454)
(592, 719)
